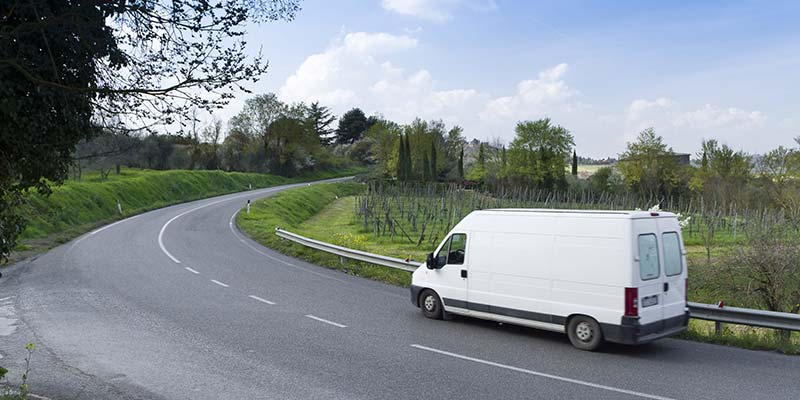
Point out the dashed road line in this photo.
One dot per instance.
(261, 300)
(191, 270)
(326, 321)
(541, 374)
(220, 283)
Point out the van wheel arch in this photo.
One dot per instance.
(437, 312)
(578, 326)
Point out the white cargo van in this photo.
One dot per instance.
(618, 276)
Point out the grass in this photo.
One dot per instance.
(79, 206)
(315, 212)
(332, 220)
(746, 337)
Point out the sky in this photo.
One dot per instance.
(603, 70)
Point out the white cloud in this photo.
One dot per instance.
(710, 116)
(435, 10)
(534, 97)
(358, 71)
(377, 43)
(641, 107)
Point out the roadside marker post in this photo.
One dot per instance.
(248, 206)
(119, 207)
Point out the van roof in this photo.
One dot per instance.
(627, 214)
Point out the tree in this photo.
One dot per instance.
(574, 163)
(426, 168)
(401, 161)
(723, 174)
(434, 169)
(211, 136)
(778, 172)
(461, 164)
(321, 119)
(763, 272)
(383, 137)
(70, 67)
(352, 126)
(409, 165)
(478, 170)
(291, 145)
(538, 154)
(648, 165)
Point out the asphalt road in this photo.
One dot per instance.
(177, 304)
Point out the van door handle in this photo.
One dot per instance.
(666, 286)
(463, 273)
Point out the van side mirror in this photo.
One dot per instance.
(430, 262)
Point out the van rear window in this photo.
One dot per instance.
(673, 262)
(648, 257)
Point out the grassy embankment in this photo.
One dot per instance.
(326, 212)
(317, 212)
(79, 206)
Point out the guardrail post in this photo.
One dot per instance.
(718, 328)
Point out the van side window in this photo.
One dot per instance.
(458, 248)
(648, 257)
(673, 262)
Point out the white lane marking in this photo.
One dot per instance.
(219, 283)
(326, 321)
(164, 228)
(261, 300)
(7, 298)
(542, 374)
(191, 270)
(115, 223)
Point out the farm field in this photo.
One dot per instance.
(341, 221)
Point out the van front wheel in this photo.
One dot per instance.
(584, 333)
(430, 304)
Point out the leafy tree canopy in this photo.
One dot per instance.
(69, 68)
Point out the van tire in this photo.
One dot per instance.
(431, 304)
(584, 333)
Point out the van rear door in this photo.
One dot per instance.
(648, 271)
(674, 291)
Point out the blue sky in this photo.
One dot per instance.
(603, 70)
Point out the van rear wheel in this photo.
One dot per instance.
(584, 333)
(430, 304)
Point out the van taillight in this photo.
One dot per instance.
(631, 302)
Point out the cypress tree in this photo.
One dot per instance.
(434, 172)
(426, 168)
(461, 164)
(574, 163)
(401, 161)
(409, 172)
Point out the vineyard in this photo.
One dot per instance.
(423, 213)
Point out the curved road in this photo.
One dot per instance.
(177, 304)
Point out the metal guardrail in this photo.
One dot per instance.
(708, 312)
(745, 316)
(357, 255)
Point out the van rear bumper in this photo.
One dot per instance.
(415, 295)
(631, 332)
